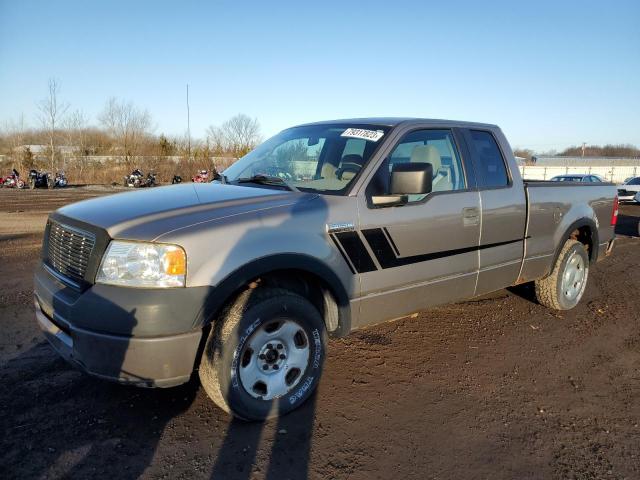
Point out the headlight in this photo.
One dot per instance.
(136, 264)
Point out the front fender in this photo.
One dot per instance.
(224, 290)
(226, 256)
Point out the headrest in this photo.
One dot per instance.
(427, 154)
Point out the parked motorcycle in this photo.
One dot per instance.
(150, 181)
(134, 179)
(60, 181)
(12, 180)
(39, 179)
(176, 179)
(201, 177)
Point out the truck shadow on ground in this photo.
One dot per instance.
(70, 425)
(288, 457)
(58, 422)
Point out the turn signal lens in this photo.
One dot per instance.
(174, 261)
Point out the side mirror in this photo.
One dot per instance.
(411, 178)
(406, 179)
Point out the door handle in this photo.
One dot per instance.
(470, 216)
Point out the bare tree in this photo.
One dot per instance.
(74, 127)
(215, 140)
(15, 131)
(51, 112)
(238, 135)
(127, 124)
(15, 141)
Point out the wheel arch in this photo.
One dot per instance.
(585, 231)
(300, 273)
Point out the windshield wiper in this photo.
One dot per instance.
(266, 180)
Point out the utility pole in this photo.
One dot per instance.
(189, 127)
(584, 144)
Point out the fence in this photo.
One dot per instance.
(612, 173)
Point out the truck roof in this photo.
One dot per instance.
(394, 121)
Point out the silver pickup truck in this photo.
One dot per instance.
(325, 228)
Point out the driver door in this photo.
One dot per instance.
(426, 251)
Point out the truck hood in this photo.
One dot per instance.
(149, 213)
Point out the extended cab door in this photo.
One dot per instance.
(425, 252)
(504, 212)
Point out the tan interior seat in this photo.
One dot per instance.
(328, 171)
(354, 163)
(441, 173)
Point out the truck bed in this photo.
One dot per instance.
(552, 210)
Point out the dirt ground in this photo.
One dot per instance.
(498, 387)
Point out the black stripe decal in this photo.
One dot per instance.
(356, 251)
(393, 244)
(384, 252)
(344, 255)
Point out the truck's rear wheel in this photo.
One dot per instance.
(264, 357)
(563, 288)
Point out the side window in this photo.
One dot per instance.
(490, 166)
(426, 146)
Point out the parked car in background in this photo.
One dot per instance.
(628, 191)
(578, 177)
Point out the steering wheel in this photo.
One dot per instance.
(350, 167)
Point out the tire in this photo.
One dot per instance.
(238, 370)
(563, 288)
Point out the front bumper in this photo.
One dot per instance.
(135, 336)
(148, 362)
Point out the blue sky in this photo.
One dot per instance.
(551, 74)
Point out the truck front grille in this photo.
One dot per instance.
(69, 250)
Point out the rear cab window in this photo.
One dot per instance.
(488, 161)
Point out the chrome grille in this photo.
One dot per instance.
(69, 250)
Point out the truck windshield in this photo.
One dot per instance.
(324, 158)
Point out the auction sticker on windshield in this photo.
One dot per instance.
(371, 135)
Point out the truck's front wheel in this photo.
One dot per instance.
(264, 357)
(563, 288)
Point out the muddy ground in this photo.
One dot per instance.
(498, 387)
